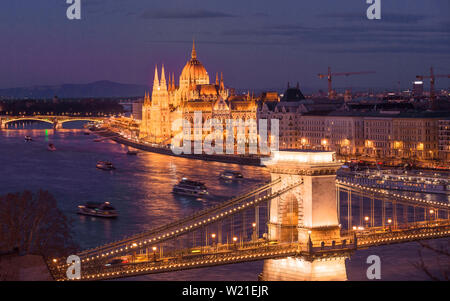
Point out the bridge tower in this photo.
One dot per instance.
(310, 210)
(307, 214)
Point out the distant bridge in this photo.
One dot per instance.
(56, 121)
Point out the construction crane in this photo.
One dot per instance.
(330, 75)
(432, 78)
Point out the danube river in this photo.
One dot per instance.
(140, 188)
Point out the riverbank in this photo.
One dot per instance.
(241, 160)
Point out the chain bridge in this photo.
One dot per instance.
(304, 237)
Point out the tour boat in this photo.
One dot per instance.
(51, 147)
(230, 175)
(190, 188)
(105, 165)
(98, 209)
(399, 180)
(28, 138)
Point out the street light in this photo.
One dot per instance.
(213, 236)
(254, 235)
(154, 253)
(431, 214)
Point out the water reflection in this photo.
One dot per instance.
(298, 269)
(140, 188)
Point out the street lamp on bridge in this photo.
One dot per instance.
(213, 237)
(154, 253)
(234, 241)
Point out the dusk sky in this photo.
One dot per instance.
(258, 44)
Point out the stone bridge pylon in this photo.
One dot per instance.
(311, 209)
(307, 214)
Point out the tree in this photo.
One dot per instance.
(33, 224)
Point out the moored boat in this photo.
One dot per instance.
(415, 181)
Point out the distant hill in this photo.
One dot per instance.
(96, 89)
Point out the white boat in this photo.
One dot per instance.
(230, 175)
(97, 209)
(190, 188)
(105, 165)
(28, 138)
(400, 180)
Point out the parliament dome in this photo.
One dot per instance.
(194, 71)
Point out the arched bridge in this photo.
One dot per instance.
(302, 205)
(56, 121)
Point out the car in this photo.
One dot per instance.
(114, 262)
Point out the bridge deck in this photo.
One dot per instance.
(214, 255)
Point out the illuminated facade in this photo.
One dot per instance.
(194, 93)
(386, 136)
(444, 139)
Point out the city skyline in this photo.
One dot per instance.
(256, 45)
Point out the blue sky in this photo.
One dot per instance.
(256, 43)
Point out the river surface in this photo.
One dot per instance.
(140, 189)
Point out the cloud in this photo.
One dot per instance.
(193, 14)
(393, 49)
(347, 38)
(385, 18)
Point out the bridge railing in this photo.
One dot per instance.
(416, 233)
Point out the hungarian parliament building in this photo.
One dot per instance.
(364, 128)
(170, 102)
